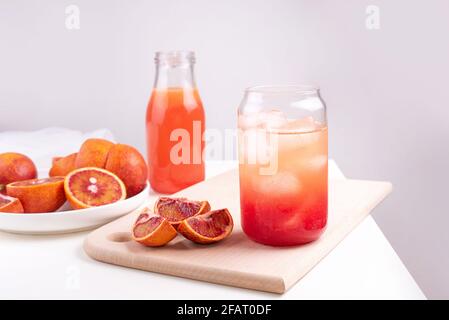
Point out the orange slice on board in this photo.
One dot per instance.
(210, 227)
(93, 187)
(153, 230)
(10, 204)
(176, 210)
(38, 195)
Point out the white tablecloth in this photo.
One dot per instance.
(42, 145)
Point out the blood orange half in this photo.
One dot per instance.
(38, 195)
(92, 187)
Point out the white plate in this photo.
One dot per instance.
(65, 220)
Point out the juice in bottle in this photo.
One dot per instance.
(175, 125)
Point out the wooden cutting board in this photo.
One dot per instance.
(238, 261)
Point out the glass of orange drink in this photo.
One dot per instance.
(283, 169)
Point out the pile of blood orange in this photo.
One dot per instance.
(193, 219)
(100, 173)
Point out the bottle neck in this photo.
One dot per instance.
(180, 76)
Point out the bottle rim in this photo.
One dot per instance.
(174, 57)
(283, 89)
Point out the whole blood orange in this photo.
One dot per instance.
(92, 187)
(130, 166)
(38, 195)
(93, 153)
(63, 165)
(210, 227)
(16, 167)
(10, 204)
(176, 210)
(153, 230)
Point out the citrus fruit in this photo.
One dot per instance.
(54, 159)
(63, 165)
(153, 230)
(93, 153)
(130, 166)
(16, 167)
(210, 227)
(92, 187)
(176, 210)
(38, 195)
(10, 204)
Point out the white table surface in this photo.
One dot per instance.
(362, 266)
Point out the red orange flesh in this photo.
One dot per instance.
(210, 227)
(153, 230)
(92, 187)
(176, 210)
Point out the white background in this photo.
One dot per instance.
(385, 89)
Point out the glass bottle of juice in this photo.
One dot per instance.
(283, 164)
(175, 124)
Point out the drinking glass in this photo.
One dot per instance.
(283, 152)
